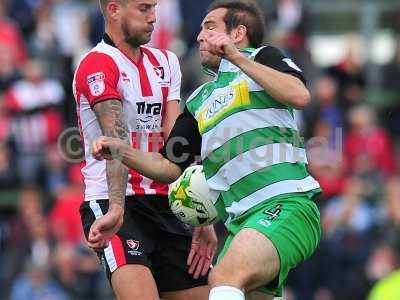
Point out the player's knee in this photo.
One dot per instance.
(237, 276)
(242, 277)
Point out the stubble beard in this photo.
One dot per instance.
(133, 39)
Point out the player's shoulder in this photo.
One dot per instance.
(267, 50)
(98, 55)
(197, 93)
(98, 59)
(97, 64)
(162, 55)
(274, 57)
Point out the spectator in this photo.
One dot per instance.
(64, 216)
(11, 38)
(19, 239)
(325, 108)
(35, 284)
(367, 143)
(168, 24)
(36, 122)
(348, 212)
(8, 176)
(8, 68)
(388, 228)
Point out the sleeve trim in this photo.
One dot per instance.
(105, 98)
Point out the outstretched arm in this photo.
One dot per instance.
(180, 150)
(149, 164)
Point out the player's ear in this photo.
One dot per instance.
(239, 34)
(113, 9)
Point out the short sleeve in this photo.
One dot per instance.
(97, 78)
(184, 141)
(274, 58)
(176, 77)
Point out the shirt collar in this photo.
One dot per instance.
(107, 39)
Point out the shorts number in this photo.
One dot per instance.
(274, 212)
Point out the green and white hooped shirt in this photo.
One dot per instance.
(250, 146)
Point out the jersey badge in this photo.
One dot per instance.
(134, 245)
(160, 72)
(96, 82)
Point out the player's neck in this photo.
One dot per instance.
(133, 53)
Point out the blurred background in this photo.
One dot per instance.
(350, 53)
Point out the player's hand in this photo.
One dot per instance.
(202, 251)
(107, 148)
(104, 228)
(220, 44)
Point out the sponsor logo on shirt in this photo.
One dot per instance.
(96, 83)
(148, 115)
(234, 96)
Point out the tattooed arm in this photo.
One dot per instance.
(109, 116)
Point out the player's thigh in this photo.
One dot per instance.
(196, 293)
(134, 282)
(258, 296)
(250, 262)
(170, 267)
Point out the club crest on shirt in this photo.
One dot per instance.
(96, 82)
(134, 245)
(160, 72)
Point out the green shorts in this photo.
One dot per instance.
(293, 226)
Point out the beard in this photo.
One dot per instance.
(134, 39)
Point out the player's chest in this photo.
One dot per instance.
(144, 88)
(221, 102)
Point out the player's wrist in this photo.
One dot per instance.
(238, 59)
(116, 209)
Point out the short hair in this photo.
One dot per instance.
(103, 4)
(246, 13)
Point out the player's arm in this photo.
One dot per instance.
(97, 79)
(171, 114)
(277, 75)
(286, 87)
(109, 116)
(178, 153)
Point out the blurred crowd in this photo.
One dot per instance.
(352, 147)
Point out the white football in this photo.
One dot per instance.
(189, 198)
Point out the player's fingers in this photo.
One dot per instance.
(206, 267)
(94, 235)
(96, 246)
(194, 263)
(211, 250)
(199, 267)
(190, 257)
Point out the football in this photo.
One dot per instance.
(189, 198)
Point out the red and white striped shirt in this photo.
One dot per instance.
(143, 87)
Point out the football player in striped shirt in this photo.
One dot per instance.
(128, 91)
(242, 126)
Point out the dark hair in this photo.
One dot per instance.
(246, 13)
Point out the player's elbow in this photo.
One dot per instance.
(300, 99)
